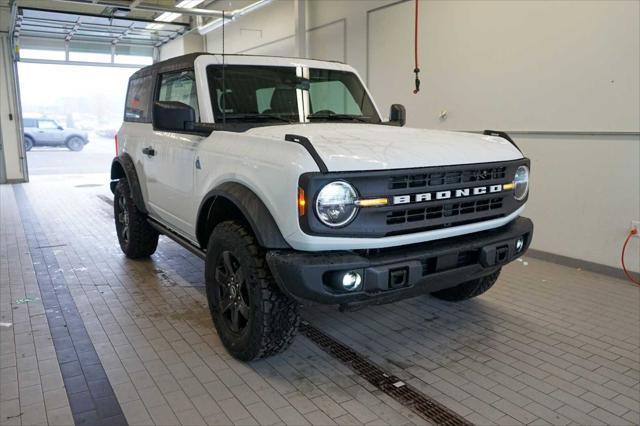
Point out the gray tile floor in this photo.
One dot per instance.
(548, 345)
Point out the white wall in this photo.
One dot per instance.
(555, 67)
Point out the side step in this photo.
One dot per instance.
(177, 238)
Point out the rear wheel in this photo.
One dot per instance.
(136, 237)
(75, 143)
(254, 319)
(28, 143)
(469, 289)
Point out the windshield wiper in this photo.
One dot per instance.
(334, 116)
(257, 117)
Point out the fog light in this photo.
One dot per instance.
(519, 244)
(351, 281)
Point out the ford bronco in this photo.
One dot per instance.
(282, 175)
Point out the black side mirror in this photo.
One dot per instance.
(172, 116)
(397, 115)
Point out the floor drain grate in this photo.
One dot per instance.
(406, 395)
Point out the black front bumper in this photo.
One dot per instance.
(401, 272)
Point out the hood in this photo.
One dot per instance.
(353, 147)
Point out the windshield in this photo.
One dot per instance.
(275, 94)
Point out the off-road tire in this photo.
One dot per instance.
(28, 143)
(273, 317)
(469, 289)
(75, 143)
(142, 238)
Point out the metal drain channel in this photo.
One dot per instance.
(406, 395)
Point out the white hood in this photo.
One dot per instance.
(352, 147)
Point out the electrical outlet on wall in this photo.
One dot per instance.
(635, 224)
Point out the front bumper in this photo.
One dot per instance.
(394, 274)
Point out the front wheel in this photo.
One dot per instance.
(28, 143)
(136, 237)
(469, 289)
(254, 319)
(75, 143)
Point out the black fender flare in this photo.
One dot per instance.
(257, 215)
(122, 167)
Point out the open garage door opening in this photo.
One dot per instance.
(70, 116)
(73, 69)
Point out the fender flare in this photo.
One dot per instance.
(122, 167)
(255, 212)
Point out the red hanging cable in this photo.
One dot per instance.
(624, 248)
(416, 69)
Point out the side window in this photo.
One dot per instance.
(47, 124)
(138, 97)
(180, 87)
(29, 122)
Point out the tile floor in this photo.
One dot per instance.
(90, 337)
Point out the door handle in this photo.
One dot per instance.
(149, 151)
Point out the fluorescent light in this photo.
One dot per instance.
(172, 16)
(168, 17)
(188, 4)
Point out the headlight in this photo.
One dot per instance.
(521, 183)
(336, 204)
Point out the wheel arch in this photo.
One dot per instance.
(234, 201)
(122, 167)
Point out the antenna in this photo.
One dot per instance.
(224, 87)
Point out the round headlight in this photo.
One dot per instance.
(521, 183)
(336, 204)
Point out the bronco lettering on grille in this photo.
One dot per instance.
(445, 195)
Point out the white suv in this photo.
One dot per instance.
(281, 174)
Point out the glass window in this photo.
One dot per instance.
(180, 87)
(340, 95)
(29, 122)
(47, 124)
(138, 98)
(253, 93)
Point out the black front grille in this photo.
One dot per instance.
(440, 178)
(443, 210)
(421, 199)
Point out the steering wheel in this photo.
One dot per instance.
(322, 112)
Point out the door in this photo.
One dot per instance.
(49, 132)
(171, 169)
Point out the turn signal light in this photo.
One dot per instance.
(302, 202)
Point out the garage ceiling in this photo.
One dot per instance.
(35, 27)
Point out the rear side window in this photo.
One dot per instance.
(29, 122)
(47, 124)
(180, 87)
(138, 99)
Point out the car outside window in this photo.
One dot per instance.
(138, 98)
(29, 122)
(180, 87)
(47, 124)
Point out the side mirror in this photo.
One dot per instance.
(60, 128)
(397, 115)
(172, 116)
